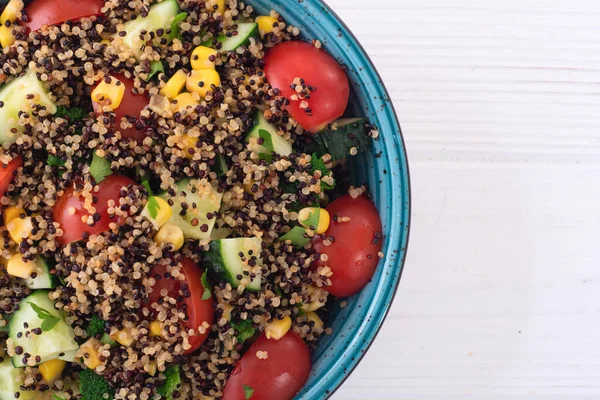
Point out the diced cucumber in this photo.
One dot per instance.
(349, 133)
(11, 379)
(224, 259)
(201, 199)
(244, 32)
(272, 142)
(14, 99)
(57, 342)
(160, 16)
(43, 278)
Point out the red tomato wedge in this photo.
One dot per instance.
(131, 106)
(72, 225)
(7, 173)
(52, 12)
(353, 256)
(280, 376)
(198, 310)
(290, 60)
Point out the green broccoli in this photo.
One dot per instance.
(244, 328)
(95, 327)
(94, 387)
(172, 382)
(318, 164)
(74, 114)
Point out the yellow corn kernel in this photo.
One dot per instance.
(227, 309)
(123, 337)
(11, 213)
(220, 6)
(89, 352)
(158, 211)
(170, 234)
(19, 268)
(174, 85)
(150, 368)
(156, 328)
(52, 370)
(318, 298)
(11, 10)
(265, 24)
(183, 101)
(19, 229)
(109, 92)
(278, 328)
(306, 213)
(201, 81)
(7, 38)
(318, 326)
(201, 56)
(105, 41)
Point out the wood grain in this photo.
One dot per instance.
(499, 105)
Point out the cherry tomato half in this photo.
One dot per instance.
(198, 310)
(7, 173)
(52, 12)
(279, 376)
(353, 256)
(72, 225)
(131, 106)
(290, 60)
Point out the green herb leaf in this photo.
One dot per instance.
(4, 328)
(279, 291)
(297, 236)
(221, 165)
(267, 145)
(207, 286)
(100, 168)
(155, 68)
(74, 114)
(175, 30)
(55, 161)
(153, 207)
(245, 330)
(248, 392)
(41, 313)
(172, 382)
(49, 323)
(57, 397)
(146, 184)
(313, 218)
(318, 164)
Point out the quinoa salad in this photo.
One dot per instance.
(177, 213)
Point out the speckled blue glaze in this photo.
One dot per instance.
(356, 325)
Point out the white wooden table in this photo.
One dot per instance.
(499, 102)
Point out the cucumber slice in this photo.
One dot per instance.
(160, 16)
(14, 97)
(11, 379)
(229, 43)
(43, 278)
(202, 199)
(224, 259)
(272, 142)
(58, 342)
(349, 133)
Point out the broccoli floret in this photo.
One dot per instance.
(95, 327)
(74, 114)
(171, 383)
(94, 387)
(318, 164)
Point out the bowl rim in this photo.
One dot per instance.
(401, 263)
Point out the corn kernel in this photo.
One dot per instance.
(318, 298)
(51, 370)
(170, 234)
(156, 328)
(278, 328)
(200, 58)
(7, 37)
(227, 309)
(89, 352)
(265, 24)
(109, 94)
(174, 85)
(19, 268)
(123, 337)
(19, 229)
(201, 81)
(183, 101)
(11, 213)
(11, 10)
(220, 6)
(161, 211)
(318, 326)
(323, 222)
(150, 368)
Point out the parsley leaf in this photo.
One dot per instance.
(74, 114)
(207, 286)
(155, 68)
(318, 164)
(55, 161)
(313, 218)
(146, 184)
(297, 236)
(153, 207)
(100, 168)
(248, 392)
(175, 30)
(245, 330)
(49, 320)
(57, 397)
(267, 144)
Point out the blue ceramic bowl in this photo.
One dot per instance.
(356, 325)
